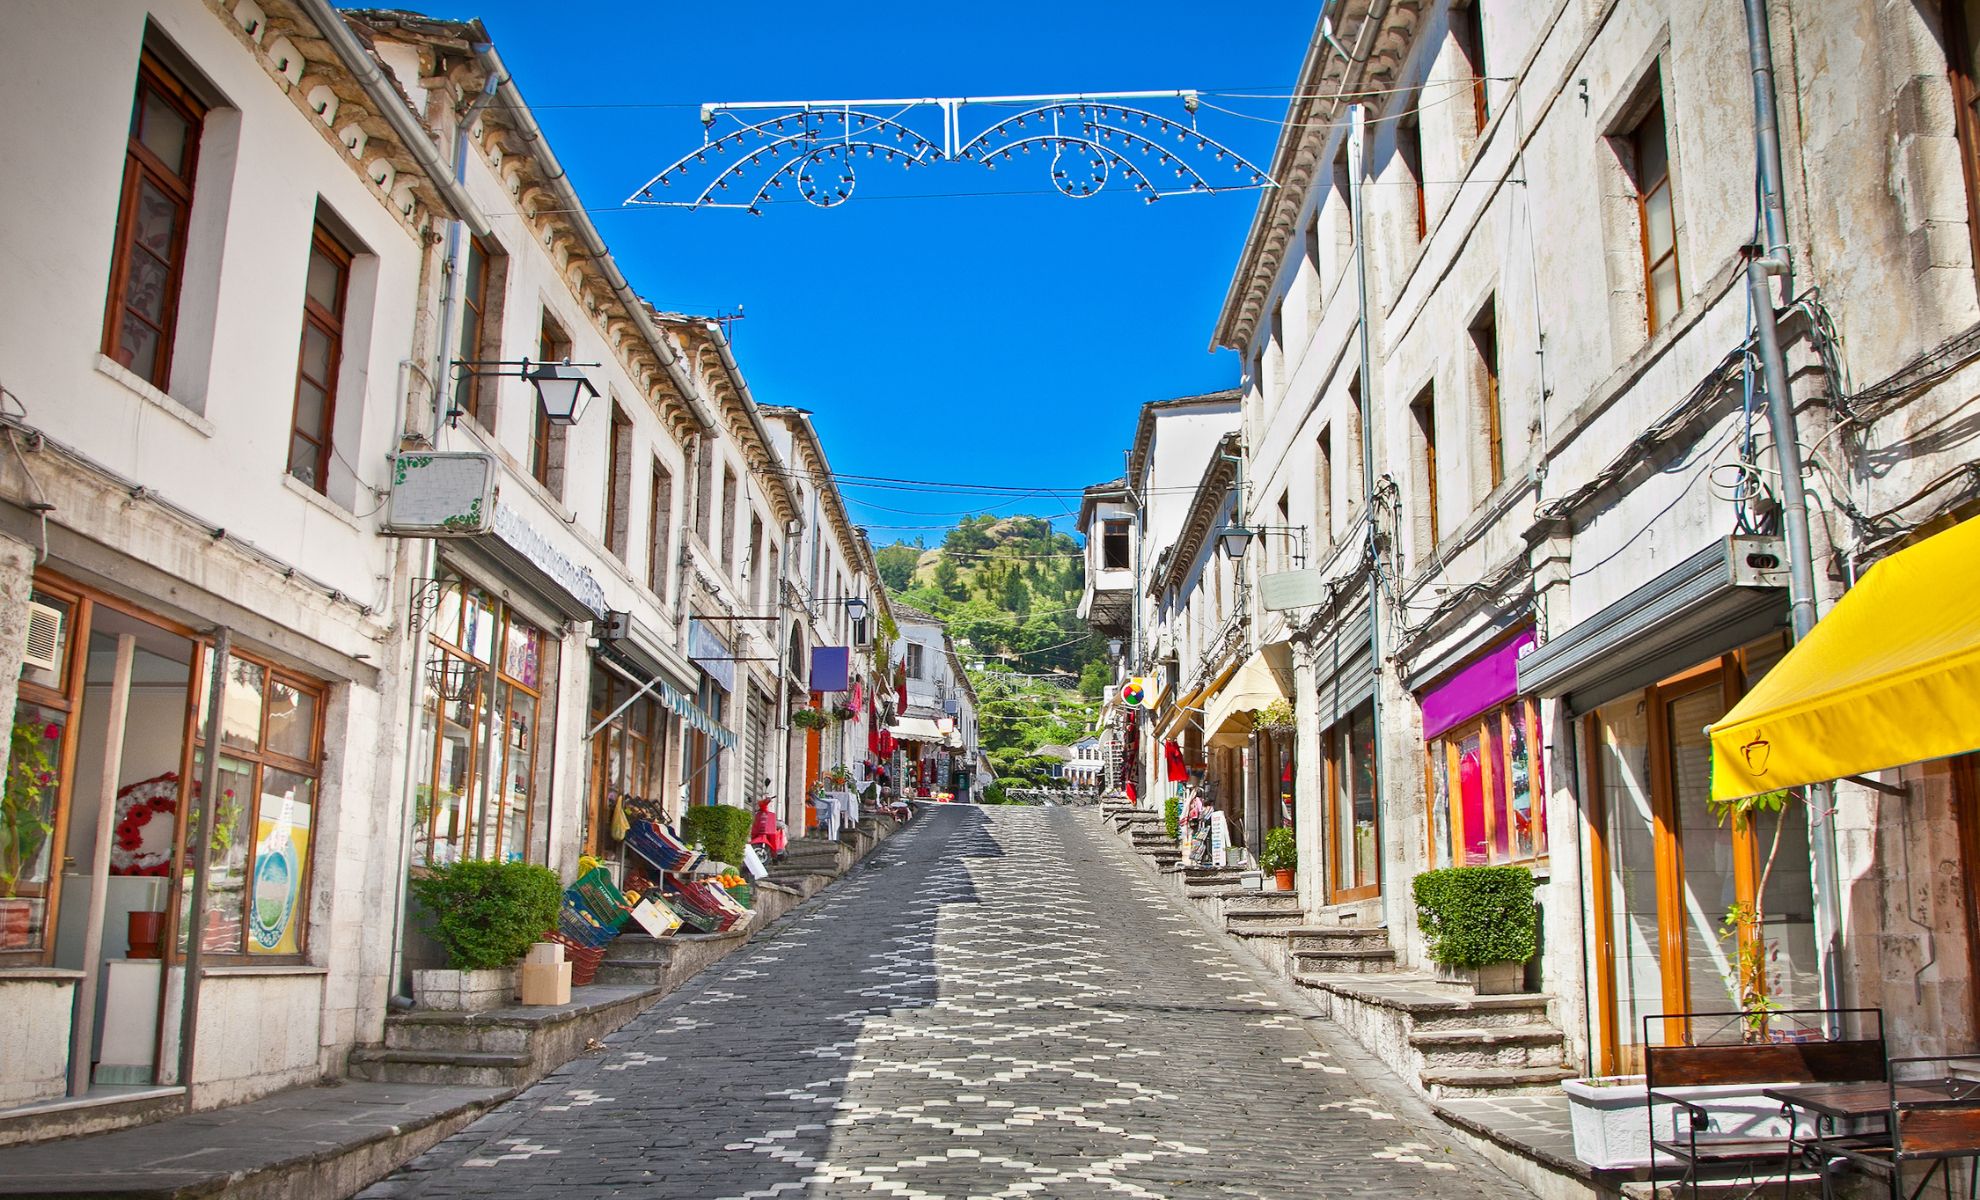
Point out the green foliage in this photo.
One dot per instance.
(1278, 715)
(1474, 916)
(1281, 850)
(1094, 678)
(487, 914)
(809, 718)
(897, 564)
(993, 793)
(722, 830)
(27, 808)
(1172, 818)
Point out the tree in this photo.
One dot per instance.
(897, 564)
(1093, 679)
(947, 581)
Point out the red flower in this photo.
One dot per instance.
(43, 777)
(53, 731)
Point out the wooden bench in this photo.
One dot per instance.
(1712, 1134)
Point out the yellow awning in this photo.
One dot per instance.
(1891, 676)
(1265, 677)
(1193, 702)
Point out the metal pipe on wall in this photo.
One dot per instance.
(1357, 152)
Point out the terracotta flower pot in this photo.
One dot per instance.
(1284, 880)
(146, 932)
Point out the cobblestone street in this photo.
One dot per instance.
(999, 1004)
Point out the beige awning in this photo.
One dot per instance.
(1266, 677)
(919, 729)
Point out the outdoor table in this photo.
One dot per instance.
(1856, 1114)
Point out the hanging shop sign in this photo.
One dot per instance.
(441, 495)
(1489, 680)
(830, 667)
(709, 652)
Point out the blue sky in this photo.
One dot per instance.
(1004, 339)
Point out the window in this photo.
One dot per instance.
(271, 749)
(476, 330)
(915, 652)
(491, 684)
(324, 289)
(659, 528)
(728, 519)
(1316, 287)
(1343, 201)
(1323, 486)
(1356, 848)
(1487, 794)
(1277, 352)
(1355, 417)
(1409, 152)
(1116, 547)
(1423, 436)
(756, 564)
(1657, 220)
(704, 491)
(1485, 346)
(546, 438)
(618, 486)
(1468, 33)
(152, 217)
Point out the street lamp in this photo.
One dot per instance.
(1236, 540)
(562, 388)
(1113, 647)
(856, 608)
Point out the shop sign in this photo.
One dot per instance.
(711, 654)
(1488, 681)
(441, 495)
(519, 536)
(830, 666)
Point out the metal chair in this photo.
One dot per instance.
(1934, 1118)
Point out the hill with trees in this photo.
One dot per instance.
(1009, 589)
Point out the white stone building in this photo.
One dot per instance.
(1558, 558)
(937, 726)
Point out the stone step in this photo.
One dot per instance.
(1285, 904)
(1453, 1083)
(1218, 892)
(1489, 1012)
(1315, 968)
(1256, 924)
(1336, 937)
(1165, 857)
(1511, 1046)
(448, 1067)
(424, 1032)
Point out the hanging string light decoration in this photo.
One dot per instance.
(1084, 144)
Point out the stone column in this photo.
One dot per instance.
(1309, 782)
(16, 585)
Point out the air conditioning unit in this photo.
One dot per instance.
(44, 637)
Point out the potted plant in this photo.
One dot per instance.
(1276, 717)
(26, 821)
(485, 915)
(1751, 983)
(809, 718)
(1480, 923)
(1280, 856)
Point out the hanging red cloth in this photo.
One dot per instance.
(1178, 769)
(1132, 798)
(900, 685)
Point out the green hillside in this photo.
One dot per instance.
(1009, 589)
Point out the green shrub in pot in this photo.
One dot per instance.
(722, 830)
(1477, 916)
(1280, 852)
(486, 915)
(1172, 818)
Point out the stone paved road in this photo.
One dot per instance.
(999, 1003)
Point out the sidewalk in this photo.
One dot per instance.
(314, 1143)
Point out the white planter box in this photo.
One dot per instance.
(1612, 1127)
(465, 991)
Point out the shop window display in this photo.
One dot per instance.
(258, 873)
(1485, 788)
(490, 689)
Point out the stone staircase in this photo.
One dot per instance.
(504, 1047)
(1447, 1041)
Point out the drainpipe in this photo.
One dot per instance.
(1767, 134)
(1774, 259)
(429, 556)
(1357, 129)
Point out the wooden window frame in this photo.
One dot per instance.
(1726, 672)
(546, 441)
(331, 325)
(1497, 720)
(1485, 342)
(262, 759)
(1409, 152)
(1645, 190)
(1337, 751)
(1110, 529)
(1323, 487)
(1423, 413)
(142, 166)
(618, 485)
(494, 674)
(1468, 33)
(474, 298)
(659, 527)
